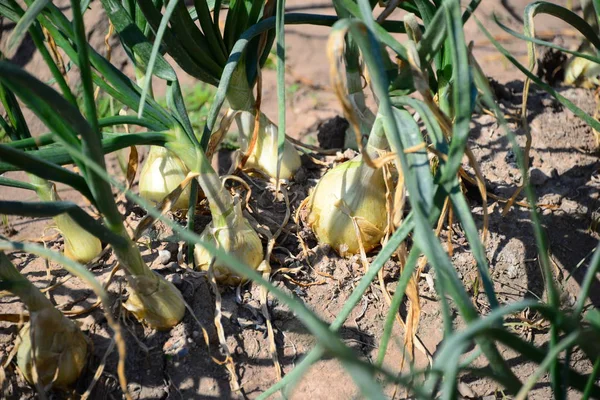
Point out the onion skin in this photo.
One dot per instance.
(155, 301)
(162, 172)
(236, 238)
(264, 154)
(350, 189)
(80, 245)
(59, 345)
(582, 72)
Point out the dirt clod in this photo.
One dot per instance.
(331, 134)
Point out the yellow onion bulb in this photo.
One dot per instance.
(582, 72)
(264, 153)
(59, 349)
(155, 301)
(163, 171)
(350, 190)
(239, 239)
(80, 245)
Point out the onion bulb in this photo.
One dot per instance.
(155, 301)
(49, 341)
(80, 245)
(351, 189)
(264, 153)
(56, 345)
(163, 171)
(583, 72)
(235, 236)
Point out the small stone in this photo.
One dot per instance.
(465, 391)
(349, 154)
(195, 334)
(512, 272)
(537, 177)
(569, 206)
(175, 279)
(164, 256)
(510, 158)
(173, 266)
(549, 102)
(551, 199)
(300, 176)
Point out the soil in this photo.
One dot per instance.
(177, 364)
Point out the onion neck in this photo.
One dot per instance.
(239, 93)
(140, 77)
(130, 257)
(219, 199)
(44, 189)
(377, 140)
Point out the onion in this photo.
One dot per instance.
(235, 236)
(155, 301)
(264, 153)
(163, 171)
(351, 189)
(351, 198)
(583, 72)
(80, 245)
(50, 341)
(56, 344)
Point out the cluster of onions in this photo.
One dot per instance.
(229, 229)
(50, 342)
(350, 200)
(80, 245)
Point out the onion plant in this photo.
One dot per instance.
(582, 66)
(201, 49)
(435, 63)
(345, 208)
(79, 244)
(152, 298)
(454, 79)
